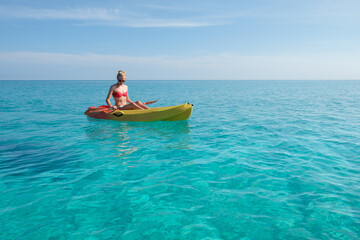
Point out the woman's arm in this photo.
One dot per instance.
(128, 99)
(108, 98)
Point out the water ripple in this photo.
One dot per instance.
(278, 160)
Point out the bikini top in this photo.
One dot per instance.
(119, 94)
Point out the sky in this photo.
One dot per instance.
(180, 40)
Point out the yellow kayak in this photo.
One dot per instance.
(173, 113)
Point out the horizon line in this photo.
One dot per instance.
(181, 80)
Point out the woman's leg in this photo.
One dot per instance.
(134, 106)
(131, 106)
(140, 104)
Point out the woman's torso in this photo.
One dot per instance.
(120, 94)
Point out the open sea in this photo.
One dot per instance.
(256, 160)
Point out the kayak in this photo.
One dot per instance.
(172, 113)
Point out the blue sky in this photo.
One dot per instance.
(166, 40)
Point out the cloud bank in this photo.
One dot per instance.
(102, 16)
(55, 66)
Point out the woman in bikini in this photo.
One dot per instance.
(120, 93)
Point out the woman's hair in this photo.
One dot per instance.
(120, 73)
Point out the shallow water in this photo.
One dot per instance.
(256, 160)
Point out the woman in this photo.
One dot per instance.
(120, 93)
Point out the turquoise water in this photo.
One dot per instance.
(256, 160)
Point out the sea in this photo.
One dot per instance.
(256, 160)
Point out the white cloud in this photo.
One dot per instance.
(336, 8)
(103, 16)
(72, 14)
(32, 65)
(197, 14)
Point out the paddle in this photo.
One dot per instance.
(150, 102)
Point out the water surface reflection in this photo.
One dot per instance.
(128, 137)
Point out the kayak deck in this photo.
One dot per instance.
(172, 113)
